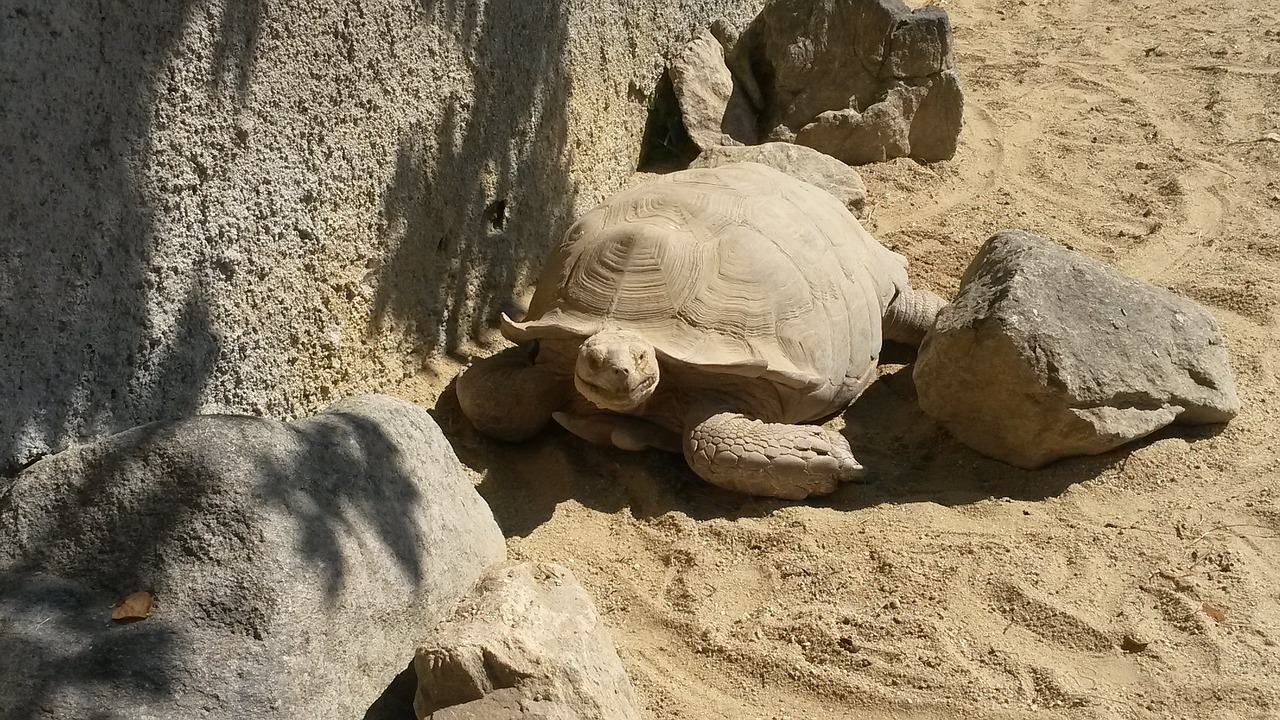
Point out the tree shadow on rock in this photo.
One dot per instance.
(481, 193)
(76, 640)
(344, 472)
(90, 536)
(177, 509)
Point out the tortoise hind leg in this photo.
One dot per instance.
(911, 315)
(510, 397)
(774, 459)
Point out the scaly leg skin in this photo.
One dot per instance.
(509, 397)
(624, 432)
(785, 461)
(911, 316)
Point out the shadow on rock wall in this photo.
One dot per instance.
(110, 319)
(82, 350)
(477, 201)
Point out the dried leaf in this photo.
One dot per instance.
(1213, 612)
(136, 606)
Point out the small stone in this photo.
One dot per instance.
(1134, 642)
(519, 641)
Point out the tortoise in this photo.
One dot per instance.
(714, 311)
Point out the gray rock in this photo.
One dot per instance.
(738, 60)
(293, 566)
(935, 127)
(881, 132)
(919, 44)
(798, 161)
(714, 109)
(853, 79)
(527, 643)
(1046, 353)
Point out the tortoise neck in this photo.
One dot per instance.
(691, 396)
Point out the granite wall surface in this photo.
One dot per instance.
(262, 205)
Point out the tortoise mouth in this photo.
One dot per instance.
(618, 401)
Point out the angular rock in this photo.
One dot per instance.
(808, 57)
(526, 643)
(798, 161)
(919, 45)
(293, 566)
(852, 78)
(738, 60)
(715, 110)
(881, 132)
(935, 126)
(1046, 353)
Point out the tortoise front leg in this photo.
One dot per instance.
(787, 461)
(510, 397)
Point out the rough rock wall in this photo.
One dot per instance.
(260, 205)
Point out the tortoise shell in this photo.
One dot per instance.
(739, 269)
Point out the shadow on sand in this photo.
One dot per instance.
(909, 459)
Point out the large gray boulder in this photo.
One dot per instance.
(798, 161)
(861, 80)
(528, 643)
(294, 567)
(1046, 353)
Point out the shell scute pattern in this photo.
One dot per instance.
(741, 270)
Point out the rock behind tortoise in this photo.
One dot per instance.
(804, 163)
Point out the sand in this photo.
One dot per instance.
(1143, 583)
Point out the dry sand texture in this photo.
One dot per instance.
(1138, 584)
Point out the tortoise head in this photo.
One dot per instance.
(616, 370)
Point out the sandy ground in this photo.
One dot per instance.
(1143, 583)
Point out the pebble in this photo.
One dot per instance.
(1134, 642)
